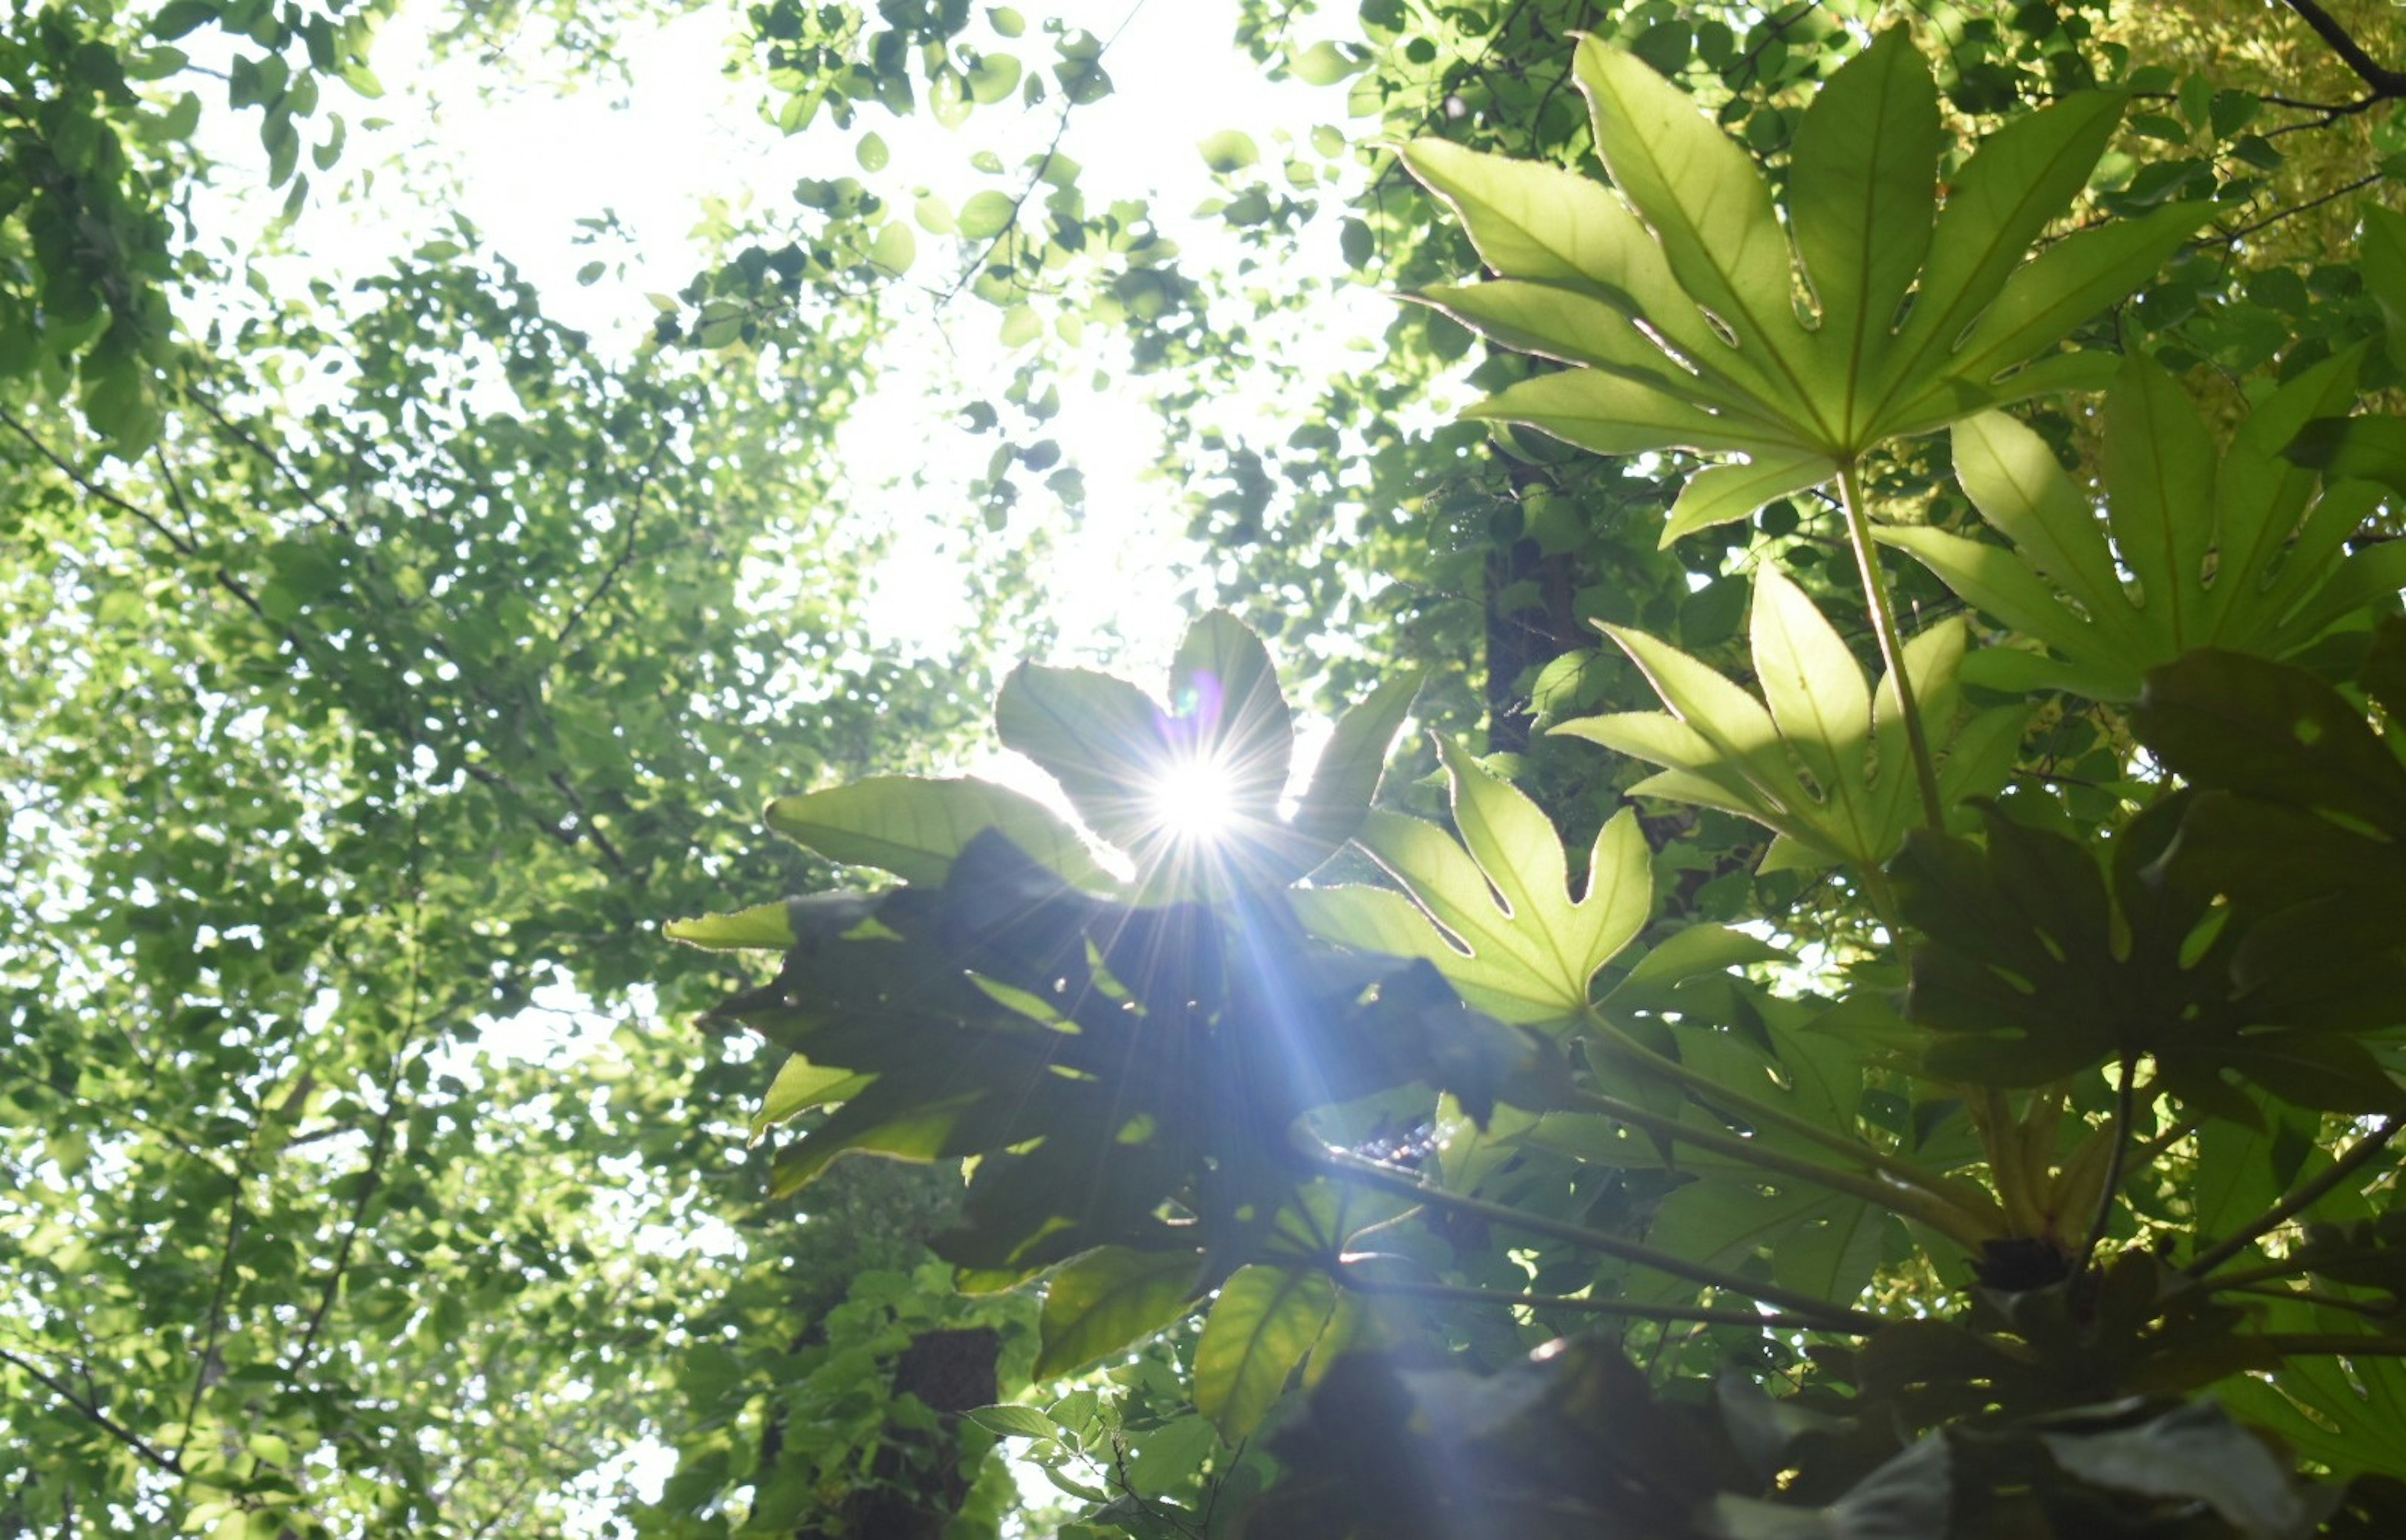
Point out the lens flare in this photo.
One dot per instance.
(1196, 801)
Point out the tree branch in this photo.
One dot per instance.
(205, 1372)
(91, 1411)
(2385, 82)
(94, 489)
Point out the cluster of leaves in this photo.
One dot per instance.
(2081, 1111)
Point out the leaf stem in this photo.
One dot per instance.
(2299, 1200)
(1883, 609)
(1702, 1315)
(2371, 1308)
(2336, 1344)
(1352, 1167)
(2124, 1107)
(1762, 1114)
(1937, 1210)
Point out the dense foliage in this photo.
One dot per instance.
(1871, 1013)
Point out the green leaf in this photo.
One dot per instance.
(986, 214)
(1264, 1322)
(2381, 253)
(1127, 762)
(1680, 309)
(1171, 1456)
(914, 827)
(1862, 199)
(2230, 548)
(1230, 149)
(1109, 1300)
(799, 1086)
(1355, 756)
(1322, 65)
(2369, 447)
(993, 77)
(1726, 493)
(1494, 912)
(764, 926)
(1708, 206)
(894, 249)
(1821, 760)
(178, 18)
(2038, 964)
(1009, 1421)
(1546, 225)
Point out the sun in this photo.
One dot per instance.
(1196, 801)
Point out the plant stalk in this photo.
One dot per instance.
(1937, 1210)
(1762, 1114)
(1883, 609)
(2300, 1199)
(1702, 1315)
(1351, 1167)
(2124, 1107)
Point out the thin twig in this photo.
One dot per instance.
(92, 488)
(201, 1371)
(380, 1145)
(626, 557)
(90, 1410)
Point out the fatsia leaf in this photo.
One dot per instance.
(1191, 790)
(1819, 760)
(2037, 964)
(2302, 820)
(1494, 911)
(2232, 548)
(763, 928)
(1677, 308)
(2347, 1411)
(914, 827)
(1264, 1322)
(2371, 447)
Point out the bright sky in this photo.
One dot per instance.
(529, 168)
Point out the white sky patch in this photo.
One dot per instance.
(682, 141)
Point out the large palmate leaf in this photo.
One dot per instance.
(1191, 790)
(2301, 818)
(2233, 549)
(1677, 307)
(914, 827)
(1102, 1057)
(2037, 964)
(2348, 1412)
(1821, 760)
(1494, 911)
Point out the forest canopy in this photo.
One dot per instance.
(1519, 767)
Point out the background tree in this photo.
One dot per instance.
(382, 658)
